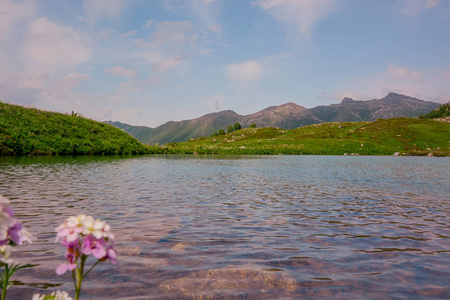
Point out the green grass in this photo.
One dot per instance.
(443, 111)
(29, 131)
(383, 137)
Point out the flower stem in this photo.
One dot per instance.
(5, 281)
(79, 277)
(91, 268)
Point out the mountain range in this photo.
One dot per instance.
(286, 116)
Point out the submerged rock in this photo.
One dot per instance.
(180, 247)
(157, 227)
(232, 282)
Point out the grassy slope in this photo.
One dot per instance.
(383, 137)
(25, 131)
(443, 111)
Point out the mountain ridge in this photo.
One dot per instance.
(287, 116)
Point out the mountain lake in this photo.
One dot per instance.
(231, 227)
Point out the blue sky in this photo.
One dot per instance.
(146, 62)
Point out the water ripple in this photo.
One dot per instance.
(287, 226)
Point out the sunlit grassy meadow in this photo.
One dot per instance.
(29, 131)
(404, 136)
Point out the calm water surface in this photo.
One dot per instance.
(284, 227)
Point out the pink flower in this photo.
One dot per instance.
(84, 236)
(14, 233)
(63, 268)
(71, 255)
(94, 246)
(68, 235)
(11, 231)
(6, 208)
(112, 255)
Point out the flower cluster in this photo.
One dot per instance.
(11, 231)
(53, 296)
(83, 235)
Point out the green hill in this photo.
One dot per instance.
(400, 136)
(29, 131)
(443, 111)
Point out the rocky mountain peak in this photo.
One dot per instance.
(392, 94)
(347, 100)
(288, 115)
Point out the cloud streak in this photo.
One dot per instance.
(120, 71)
(416, 83)
(245, 72)
(413, 7)
(401, 73)
(99, 10)
(300, 14)
(167, 63)
(133, 86)
(12, 12)
(52, 46)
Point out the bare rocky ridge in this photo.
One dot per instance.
(286, 116)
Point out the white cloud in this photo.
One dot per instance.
(46, 51)
(205, 51)
(430, 86)
(204, 14)
(445, 76)
(249, 71)
(133, 86)
(179, 32)
(59, 95)
(98, 10)
(168, 46)
(50, 46)
(167, 63)
(150, 55)
(128, 116)
(413, 7)
(43, 52)
(206, 2)
(350, 94)
(207, 15)
(37, 80)
(12, 89)
(63, 87)
(215, 103)
(401, 73)
(168, 5)
(120, 71)
(147, 24)
(12, 12)
(300, 14)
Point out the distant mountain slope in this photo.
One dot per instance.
(391, 106)
(283, 116)
(287, 116)
(139, 132)
(181, 131)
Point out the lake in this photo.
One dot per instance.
(256, 227)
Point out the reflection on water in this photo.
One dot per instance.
(241, 226)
